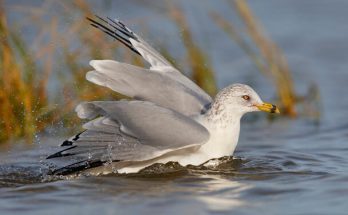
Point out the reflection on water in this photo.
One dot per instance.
(226, 199)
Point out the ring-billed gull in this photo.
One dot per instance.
(169, 119)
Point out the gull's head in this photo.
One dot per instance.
(240, 99)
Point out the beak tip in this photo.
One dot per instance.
(267, 107)
(274, 109)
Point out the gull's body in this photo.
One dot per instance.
(222, 142)
(170, 118)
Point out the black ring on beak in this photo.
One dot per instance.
(273, 109)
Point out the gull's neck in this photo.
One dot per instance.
(224, 126)
(221, 117)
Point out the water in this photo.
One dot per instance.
(286, 166)
(272, 172)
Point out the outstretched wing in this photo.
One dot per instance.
(122, 33)
(159, 65)
(127, 131)
(149, 123)
(147, 85)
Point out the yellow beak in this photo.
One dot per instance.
(267, 107)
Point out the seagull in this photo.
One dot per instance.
(166, 118)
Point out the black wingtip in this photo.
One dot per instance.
(60, 153)
(55, 155)
(76, 167)
(67, 143)
(71, 141)
(115, 29)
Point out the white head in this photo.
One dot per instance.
(238, 99)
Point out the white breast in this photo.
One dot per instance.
(222, 142)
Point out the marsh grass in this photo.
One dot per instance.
(24, 75)
(26, 107)
(22, 92)
(202, 72)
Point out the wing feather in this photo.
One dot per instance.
(126, 131)
(122, 33)
(148, 85)
(149, 123)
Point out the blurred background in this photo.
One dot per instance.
(292, 52)
(46, 47)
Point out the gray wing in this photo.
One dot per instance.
(148, 85)
(119, 31)
(127, 131)
(149, 123)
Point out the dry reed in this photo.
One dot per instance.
(202, 72)
(22, 93)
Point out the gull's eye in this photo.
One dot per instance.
(246, 97)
